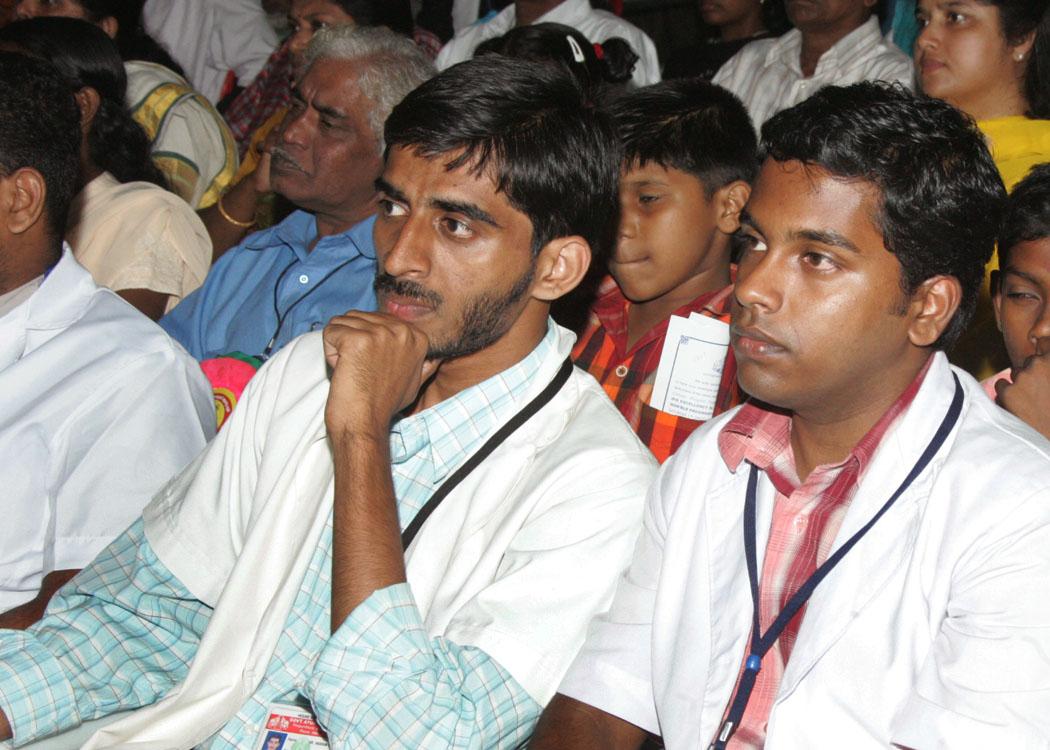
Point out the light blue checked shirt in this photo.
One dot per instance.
(124, 635)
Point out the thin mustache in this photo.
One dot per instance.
(279, 154)
(384, 282)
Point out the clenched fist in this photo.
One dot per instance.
(378, 365)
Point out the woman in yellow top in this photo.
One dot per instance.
(991, 59)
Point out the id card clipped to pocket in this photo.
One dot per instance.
(289, 726)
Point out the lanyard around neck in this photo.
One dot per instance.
(504, 432)
(762, 642)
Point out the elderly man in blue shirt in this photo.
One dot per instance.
(320, 261)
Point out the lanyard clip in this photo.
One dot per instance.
(723, 736)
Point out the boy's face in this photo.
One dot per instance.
(669, 234)
(1021, 301)
(817, 312)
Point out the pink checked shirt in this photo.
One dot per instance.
(806, 519)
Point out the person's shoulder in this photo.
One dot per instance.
(992, 436)
(746, 61)
(614, 25)
(593, 425)
(461, 46)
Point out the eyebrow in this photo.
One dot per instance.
(470, 210)
(826, 237)
(1015, 272)
(385, 187)
(327, 111)
(747, 218)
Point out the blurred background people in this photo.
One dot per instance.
(134, 236)
(190, 141)
(991, 59)
(731, 25)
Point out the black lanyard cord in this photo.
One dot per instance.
(762, 642)
(541, 400)
(282, 317)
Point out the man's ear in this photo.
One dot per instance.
(110, 25)
(22, 197)
(932, 307)
(560, 267)
(729, 201)
(88, 102)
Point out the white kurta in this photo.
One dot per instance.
(933, 632)
(515, 561)
(99, 408)
(596, 25)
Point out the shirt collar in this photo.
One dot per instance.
(761, 435)
(787, 49)
(611, 309)
(446, 434)
(300, 228)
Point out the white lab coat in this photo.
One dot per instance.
(99, 408)
(515, 561)
(934, 631)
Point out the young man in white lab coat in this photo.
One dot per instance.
(855, 558)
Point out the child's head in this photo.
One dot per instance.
(1022, 285)
(690, 153)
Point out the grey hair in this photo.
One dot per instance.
(391, 65)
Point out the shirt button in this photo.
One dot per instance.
(303, 279)
(621, 371)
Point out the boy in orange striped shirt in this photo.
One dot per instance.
(690, 153)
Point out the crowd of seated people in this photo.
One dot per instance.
(432, 374)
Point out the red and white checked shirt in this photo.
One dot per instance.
(628, 375)
(806, 519)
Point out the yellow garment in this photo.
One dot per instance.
(190, 141)
(1017, 144)
(252, 154)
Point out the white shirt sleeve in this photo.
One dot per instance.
(120, 447)
(613, 671)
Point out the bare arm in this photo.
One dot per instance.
(568, 723)
(146, 301)
(239, 202)
(24, 615)
(378, 367)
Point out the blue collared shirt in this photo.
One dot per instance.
(272, 287)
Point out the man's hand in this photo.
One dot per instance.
(261, 176)
(1028, 397)
(378, 366)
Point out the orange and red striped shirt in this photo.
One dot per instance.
(628, 375)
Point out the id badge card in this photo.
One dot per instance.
(289, 726)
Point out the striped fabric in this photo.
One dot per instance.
(628, 375)
(806, 518)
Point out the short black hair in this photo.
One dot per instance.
(690, 125)
(1027, 215)
(40, 128)
(941, 197)
(531, 127)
